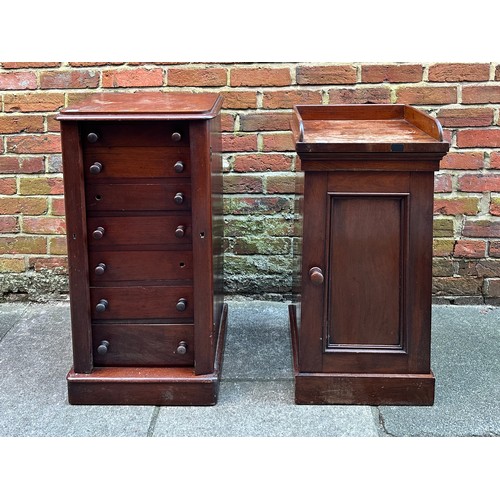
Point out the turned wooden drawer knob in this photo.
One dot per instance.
(182, 347)
(100, 268)
(98, 233)
(180, 231)
(316, 275)
(102, 306)
(92, 137)
(181, 305)
(176, 137)
(96, 168)
(103, 348)
(179, 167)
(179, 198)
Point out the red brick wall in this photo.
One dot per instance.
(259, 161)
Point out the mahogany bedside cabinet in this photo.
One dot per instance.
(361, 319)
(143, 194)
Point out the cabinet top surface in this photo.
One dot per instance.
(365, 128)
(140, 105)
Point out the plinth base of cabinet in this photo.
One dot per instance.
(359, 388)
(148, 386)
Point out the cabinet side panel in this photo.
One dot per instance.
(76, 229)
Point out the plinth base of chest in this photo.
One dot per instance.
(162, 386)
(412, 389)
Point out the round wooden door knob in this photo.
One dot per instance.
(102, 306)
(179, 167)
(92, 137)
(100, 268)
(182, 348)
(98, 233)
(103, 348)
(316, 275)
(179, 198)
(176, 137)
(96, 168)
(181, 305)
(180, 231)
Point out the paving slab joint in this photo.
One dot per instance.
(380, 423)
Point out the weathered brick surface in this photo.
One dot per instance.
(259, 161)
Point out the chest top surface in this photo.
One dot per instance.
(144, 105)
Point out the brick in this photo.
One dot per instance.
(463, 161)
(239, 99)
(12, 265)
(278, 142)
(458, 72)
(443, 267)
(477, 138)
(495, 159)
(259, 245)
(456, 206)
(15, 124)
(269, 226)
(442, 183)
(242, 184)
(260, 77)
(57, 206)
(326, 75)
(465, 117)
(23, 244)
(58, 245)
(85, 64)
(54, 164)
(262, 163)
(72, 79)
(17, 65)
(278, 184)
(18, 80)
(442, 228)
(46, 263)
(8, 185)
(140, 77)
(41, 185)
(482, 268)
(276, 99)
(9, 224)
(196, 77)
(478, 183)
(494, 250)
(360, 95)
(233, 142)
(472, 249)
(53, 125)
(482, 228)
(44, 225)
(26, 103)
(265, 121)
(28, 205)
(495, 205)
(492, 287)
(426, 95)
(261, 205)
(443, 247)
(456, 286)
(481, 94)
(31, 144)
(227, 122)
(21, 165)
(392, 73)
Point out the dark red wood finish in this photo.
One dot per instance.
(362, 332)
(144, 188)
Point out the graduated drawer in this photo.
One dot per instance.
(136, 162)
(115, 196)
(134, 133)
(140, 265)
(143, 345)
(136, 230)
(141, 302)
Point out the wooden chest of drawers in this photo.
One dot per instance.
(361, 325)
(143, 194)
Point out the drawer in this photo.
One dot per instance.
(143, 345)
(175, 195)
(133, 133)
(140, 265)
(135, 162)
(150, 230)
(142, 302)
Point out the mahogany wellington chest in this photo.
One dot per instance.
(361, 320)
(143, 194)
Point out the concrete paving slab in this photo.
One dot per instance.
(466, 363)
(264, 409)
(10, 314)
(35, 357)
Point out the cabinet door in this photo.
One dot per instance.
(360, 312)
